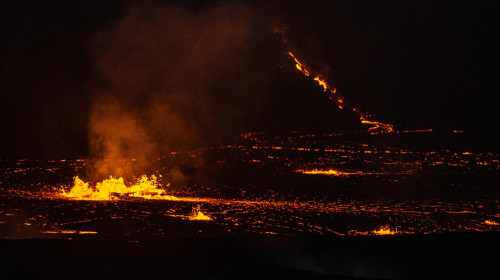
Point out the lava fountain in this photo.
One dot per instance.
(115, 188)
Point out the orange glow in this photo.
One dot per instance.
(299, 65)
(375, 127)
(321, 83)
(385, 231)
(491, 223)
(69, 232)
(113, 188)
(198, 215)
(333, 172)
(330, 172)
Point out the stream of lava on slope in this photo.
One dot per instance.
(374, 126)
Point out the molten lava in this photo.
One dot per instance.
(299, 65)
(375, 127)
(491, 223)
(198, 215)
(384, 231)
(115, 188)
(331, 172)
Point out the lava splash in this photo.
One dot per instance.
(115, 188)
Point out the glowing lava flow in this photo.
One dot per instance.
(375, 127)
(337, 99)
(113, 188)
(338, 173)
(198, 215)
(330, 172)
(384, 231)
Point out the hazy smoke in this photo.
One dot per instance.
(166, 78)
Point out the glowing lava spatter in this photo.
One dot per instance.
(115, 188)
(385, 231)
(197, 215)
(375, 127)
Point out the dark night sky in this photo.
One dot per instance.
(416, 64)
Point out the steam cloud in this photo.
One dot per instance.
(165, 78)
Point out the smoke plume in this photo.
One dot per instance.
(166, 78)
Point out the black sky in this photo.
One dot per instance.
(416, 64)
